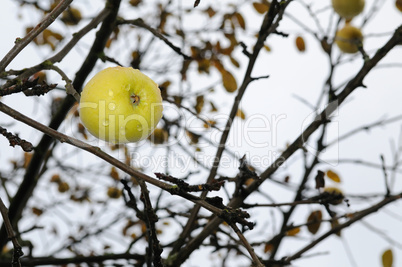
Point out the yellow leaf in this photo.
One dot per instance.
(300, 44)
(209, 123)
(333, 176)
(27, 159)
(114, 174)
(240, 20)
(267, 48)
(234, 62)
(268, 247)
(193, 138)
(114, 192)
(334, 224)
(37, 211)
(229, 81)
(398, 4)
(260, 7)
(293, 232)
(71, 16)
(55, 178)
(335, 195)
(387, 258)
(159, 136)
(135, 2)
(241, 114)
(63, 187)
(199, 104)
(177, 99)
(210, 12)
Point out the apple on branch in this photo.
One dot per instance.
(121, 105)
(348, 39)
(348, 8)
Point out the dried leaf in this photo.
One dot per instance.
(319, 179)
(47, 37)
(72, 16)
(229, 81)
(63, 187)
(268, 247)
(27, 159)
(114, 173)
(300, 44)
(209, 123)
(159, 136)
(267, 48)
(260, 7)
(240, 114)
(240, 20)
(234, 62)
(333, 176)
(335, 223)
(387, 258)
(177, 99)
(334, 195)
(114, 192)
(40, 75)
(38, 212)
(314, 221)
(55, 179)
(82, 130)
(199, 104)
(135, 2)
(293, 232)
(128, 225)
(398, 4)
(213, 107)
(210, 12)
(194, 138)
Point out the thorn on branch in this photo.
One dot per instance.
(281, 33)
(185, 187)
(15, 140)
(243, 45)
(260, 77)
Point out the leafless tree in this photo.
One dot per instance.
(72, 199)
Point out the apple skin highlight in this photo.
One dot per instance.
(121, 105)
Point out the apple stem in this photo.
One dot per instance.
(136, 99)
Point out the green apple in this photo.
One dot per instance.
(348, 8)
(121, 105)
(348, 38)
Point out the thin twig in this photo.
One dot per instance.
(106, 157)
(22, 43)
(15, 140)
(384, 170)
(356, 218)
(69, 86)
(140, 23)
(247, 245)
(17, 254)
